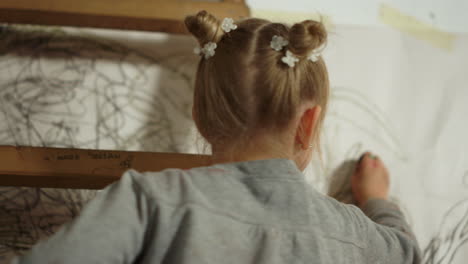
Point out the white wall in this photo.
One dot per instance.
(447, 15)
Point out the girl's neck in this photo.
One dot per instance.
(251, 151)
(227, 158)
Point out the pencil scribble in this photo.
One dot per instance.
(452, 237)
(64, 90)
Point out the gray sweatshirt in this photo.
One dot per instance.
(258, 211)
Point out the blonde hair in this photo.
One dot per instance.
(245, 88)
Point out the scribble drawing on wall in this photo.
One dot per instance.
(365, 117)
(369, 113)
(62, 90)
(68, 91)
(452, 239)
(29, 214)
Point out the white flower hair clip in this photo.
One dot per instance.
(228, 24)
(314, 57)
(208, 50)
(277, 43)
(289, 59)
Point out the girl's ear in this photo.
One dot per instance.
(307, 125)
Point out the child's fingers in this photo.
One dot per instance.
(370, 159)
(361, 160)
(357, 176)
(375, 161)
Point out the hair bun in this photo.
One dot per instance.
(306, 36)
(205, 27)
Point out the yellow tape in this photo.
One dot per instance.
(416, 28)
(290, 17)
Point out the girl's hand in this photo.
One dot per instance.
(370, 180)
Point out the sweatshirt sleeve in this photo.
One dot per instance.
(390, 239)
(110, 229)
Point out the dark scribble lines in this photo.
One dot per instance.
(73, 77)
(452, 237)
(66, 90)
(374, 113)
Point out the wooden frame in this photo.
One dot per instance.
(83, 168)
(145, 15)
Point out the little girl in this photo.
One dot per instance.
(261, 94)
